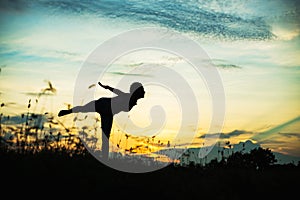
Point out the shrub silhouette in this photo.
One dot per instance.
(262, 158)
(258, 158)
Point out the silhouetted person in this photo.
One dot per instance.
(108, 107)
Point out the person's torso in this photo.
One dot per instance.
(120, 103)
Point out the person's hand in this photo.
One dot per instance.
(104, 86)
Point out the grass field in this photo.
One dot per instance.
(57, 173)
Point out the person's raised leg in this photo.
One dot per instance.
(106, 124)
(89, 107)
(64, 112)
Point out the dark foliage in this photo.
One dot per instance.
(57, 172)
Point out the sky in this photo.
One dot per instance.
(253, 44)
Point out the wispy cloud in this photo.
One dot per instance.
(187, 17)
(275, 130)
(128, 74)
(283, 140)
(38, 94)
(12, 6)
(37, 119)
(49, 90)
(224, 64)
(226, 135)
(135, 64)
(290, 135)
(227, 66)
(35, 53)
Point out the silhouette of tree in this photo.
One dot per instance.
(258, 158)
(262, 158)
(213, 164)
(239, 160)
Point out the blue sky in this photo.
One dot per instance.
(254, 45)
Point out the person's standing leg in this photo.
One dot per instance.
(106, 124)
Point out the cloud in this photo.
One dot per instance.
(34, 53)
(33, 119)
(12, 5)
(46, 91)
(264, 135)
(227, 66)
(226, 135)
(186, 17)
(273, 142)
(135, 64)
(127, 74)
(38, 94)
(290, 135)
(221, 63)
(7, 103)
(226, 19)
(282, 141)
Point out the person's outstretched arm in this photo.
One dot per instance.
(114, 90)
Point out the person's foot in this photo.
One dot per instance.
(64, 112)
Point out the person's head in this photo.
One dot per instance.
(137, 92)
(134, 86)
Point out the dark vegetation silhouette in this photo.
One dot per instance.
(36, 156)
